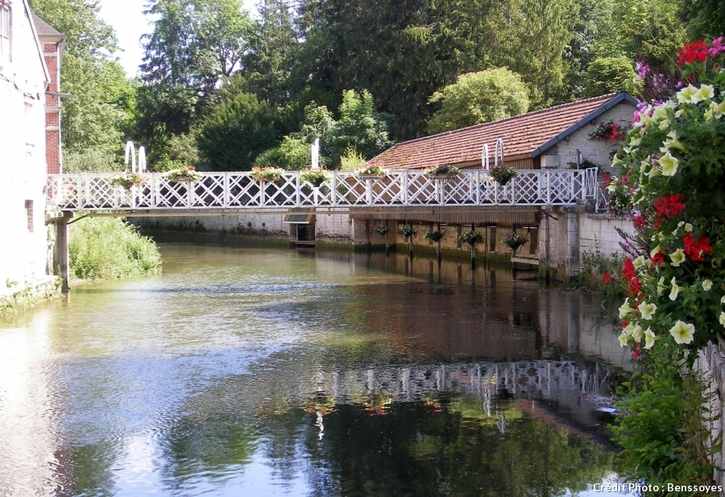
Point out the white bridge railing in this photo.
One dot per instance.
(346, 190)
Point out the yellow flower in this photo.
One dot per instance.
(672, 141)
(649, 338)
(688, 227)
(677, 257)
(637, 333)
(687, 95)
(722, 318)
(625, 309)
(668, 164)
(707, 285)
(638, 262)
(664, 124)
(647, 310)
(706, 92)
(661, 286)
(682, 332)
(623, 339)
(675, 289)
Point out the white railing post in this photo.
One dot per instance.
(406, 195)
(334, 188)
(548, 189)
(225, 184)
(298, 188)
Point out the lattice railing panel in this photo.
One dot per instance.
(238, 190)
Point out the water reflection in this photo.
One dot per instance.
(307, 373)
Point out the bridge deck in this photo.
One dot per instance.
(231, 192)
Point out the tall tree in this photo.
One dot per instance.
(98, 119)
(194, 45)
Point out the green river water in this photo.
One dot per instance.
(264, 371)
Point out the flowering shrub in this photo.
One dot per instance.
(314, 176)
(619, 196)
(269, 173)
(503, 174)
(674, 164)
(448, 171)
(186, 173)
(373, 170)
(607, 132)
(127, 180)
(513, 241)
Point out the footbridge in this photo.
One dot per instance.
(406, 191)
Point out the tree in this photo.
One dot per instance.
(478, 98)
(100, 117)
(610, 75)
(194, 45)
(236, 132)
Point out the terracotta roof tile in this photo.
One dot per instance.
(522, 135)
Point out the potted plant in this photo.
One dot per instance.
(372, 170)
(503, 174)
(471, 237)
(127, 180)
(314, 176)
(382, 230)
(434, 235)
(406, 231)
(607, 132)
(185, 174)
(269, 173)
(444, 171)
(513, 241)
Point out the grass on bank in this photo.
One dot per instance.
(109, 248)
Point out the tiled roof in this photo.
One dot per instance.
(526, 135)
(43, 28)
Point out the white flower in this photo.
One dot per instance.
(677, 257)
(661, 286)
(668, 164)
(675, 289)
(637, 333)
(682, 332)
(649, 338)
(722, 318)
(707, 285)
(686, 95)
(706, 92)
(688, 227)
(625, 309)
(647, 310)
(722, 299)
(623, 339)
(638, 262)
(664, 124)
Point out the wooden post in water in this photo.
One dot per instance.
(60, 254)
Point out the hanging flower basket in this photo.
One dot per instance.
(435, 235)
(127, 180)
(442, 171)
(406, 231)
(503, 174)
(514, 241)
(186, 174)
(382, 230)
(607, 132)
(314, 176)
(263, 174)
(371, 171)
(471, 238)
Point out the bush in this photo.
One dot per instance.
(107, 248)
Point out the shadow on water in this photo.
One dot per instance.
(268, 371)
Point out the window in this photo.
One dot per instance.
(4, 32)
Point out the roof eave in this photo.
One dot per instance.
(616, 100)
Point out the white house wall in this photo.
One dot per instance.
(23, 253)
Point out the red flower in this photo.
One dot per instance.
(639, 221)
(658, 258)
(669, 206)
(696, 249)
(634, 286)
(693, 51)
(635, 352)
(607, 278)
(628, 271)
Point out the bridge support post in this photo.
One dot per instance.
(572, 229)
(60, 254)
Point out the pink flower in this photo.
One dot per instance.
(716, 47)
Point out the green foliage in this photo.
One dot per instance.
(435, 235)
(107, 248)
(478, 98)
(665, 432)
(360, 126)
(351, 159)
(406, 231)
(610, 75)
(472, 238)
(236, 132)
(90, 160)
(292, 154)
(599, 274)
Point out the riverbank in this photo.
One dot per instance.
(16, 297)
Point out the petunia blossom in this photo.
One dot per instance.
(722, 318)
(647, 310)
(682, 332)
(668, 164)
(625, 309)
(649, 338)
(677, 257)
(623, 339)
(707, 285)
(675, 289)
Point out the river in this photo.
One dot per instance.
(262, 371)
